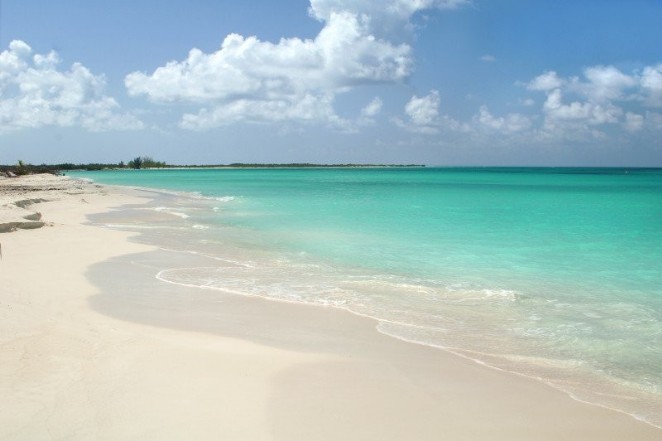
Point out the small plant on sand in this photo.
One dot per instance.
(21, 168)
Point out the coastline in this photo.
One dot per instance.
(97, 347)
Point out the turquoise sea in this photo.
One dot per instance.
(552, 273)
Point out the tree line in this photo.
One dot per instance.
(23, 168)
(142, 162)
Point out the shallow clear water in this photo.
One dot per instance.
(553, 273)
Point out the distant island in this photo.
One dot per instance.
(295, 165)
(146, 162)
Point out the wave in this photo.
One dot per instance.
(171, 211)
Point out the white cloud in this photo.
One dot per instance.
(578, 105)
(385, 15)
(511, 123)
(606, 83)
(422, 114)
(342, 55)
(651, 83)
(306, 108)
(247, 79)
(547, 81)
(251, 80)
(371, 110)
(588, 111)
(423, 111)
(34, 93)
(250, 75)
(603, 100)
(488, 58)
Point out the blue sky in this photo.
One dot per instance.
(440, 82)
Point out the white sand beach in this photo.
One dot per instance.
(94, 347)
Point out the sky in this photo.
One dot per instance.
(435, 82)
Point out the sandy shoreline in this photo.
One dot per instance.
(93, 346)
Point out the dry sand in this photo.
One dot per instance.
(93, 347)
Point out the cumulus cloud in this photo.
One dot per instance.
(422, 114)
(310, 108)
(373, 108)
(651, 83)
(370, 111)
(589, 112)
(603, 96)
(400, 9)
(601, 101)
(294, 79)
(385, 16)
(511, 123)
(606, 83)
(547, 81)
(423, 111)
(250, 68)
(249, 79)
(34, 93)
(342, 55)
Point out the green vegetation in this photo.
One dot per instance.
(21, 168)
(136, 163)
(145, 162)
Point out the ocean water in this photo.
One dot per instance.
(549, 273)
